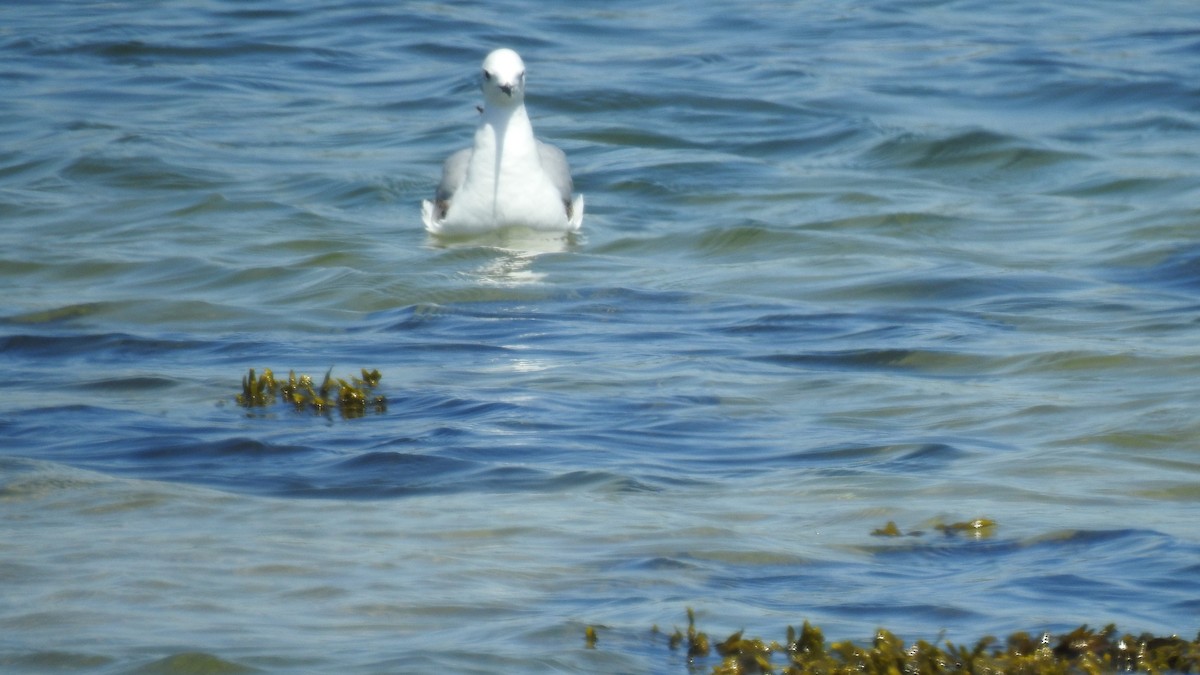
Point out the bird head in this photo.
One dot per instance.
(503, 78)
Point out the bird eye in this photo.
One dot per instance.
(487, 75)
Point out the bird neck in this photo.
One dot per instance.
(508, 134)
(509, 124)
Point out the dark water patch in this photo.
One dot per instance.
(655, 564)
(596, 481)
(459, 409)
(1185, 606)
(390, 470)
(1087, 552)
(685, 178)
(1074, 585)
(819, 323)
(615, 100)
(239, 464)
(682, 455)
(1178, 270)
(905, 226)
(154, 449)
(1156, 125)
(841, 456)
(18, 268)
(1106, 572)
(259, 14)
(1090, 572)
(142, 173)
(133, 383)
(212, 204)
(902, 458)
(892, 612)
(110, 346)
(974, 156)
(639, 138)
(1100, 541)
(1132, 188)
(1107, 93)
(734, 243)
(144, 53)
(1003, 311)
(617, 302)
(925, 458)
(866, 327)
(15, 168)
(492, 320)
(919, 362)
(346, 192)
(465, 328)
(54, 661)
(1097, 363)
(949, 285)
(823, 139)
(389, 475)
(960, 149)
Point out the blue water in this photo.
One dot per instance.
(842, 264)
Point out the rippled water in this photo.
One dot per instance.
(842, 264)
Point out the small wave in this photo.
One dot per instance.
(1179, 270)
(923, 362)
(142, 173)
(745, 240)
(390, 474)
(973, 156)
(1126, 188)
(123, 344)
(131, 383)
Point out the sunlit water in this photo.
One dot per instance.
(843, 264)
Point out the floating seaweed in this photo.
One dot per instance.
(979, 528)
(889, 530)
(350, 398)
(1083, 651)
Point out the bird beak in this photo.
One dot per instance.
(507, 89)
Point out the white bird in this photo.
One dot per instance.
(507, 177)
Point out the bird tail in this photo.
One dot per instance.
(427, 216)
(575, 219)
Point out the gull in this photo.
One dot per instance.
(507, 177)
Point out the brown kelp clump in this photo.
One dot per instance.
(350, 398)
(1083, 651)
(979, 528)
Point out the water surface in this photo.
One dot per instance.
(842, 264)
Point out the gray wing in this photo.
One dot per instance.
(554, 163)
(454, 172)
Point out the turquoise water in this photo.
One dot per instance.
(842, 264)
